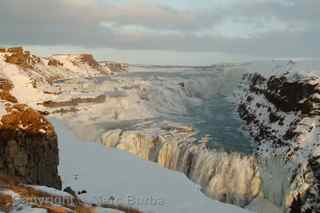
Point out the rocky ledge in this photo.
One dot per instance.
(29, 146)
(115, 66)
(282, 114)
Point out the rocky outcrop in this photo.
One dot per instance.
(28, 144)
(29, 151)
(282, 114)
(227, 177)
(115, 66)
(20, 57)
(5, 87)
(88, 59)
(54, 62)
(78, 62)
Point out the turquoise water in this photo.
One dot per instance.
(218, 119)
(203, 102)
(216, 116)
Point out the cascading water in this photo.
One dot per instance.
(275, 185)
(228, 177)
(200, 98)
(224, 168)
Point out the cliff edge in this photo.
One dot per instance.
(282, 114)
(29, 145)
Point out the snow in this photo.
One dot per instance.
(19, 206)
(23, 89)
(28, 209)
(2, 109)
(108, 173)
(50, 191)
(71, 62)
(102, 210)
(263, 206)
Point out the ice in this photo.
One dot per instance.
(51, 191)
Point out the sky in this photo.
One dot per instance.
(184, 32)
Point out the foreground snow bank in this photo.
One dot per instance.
(113, 176)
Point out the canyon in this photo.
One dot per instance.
(145, 113)
(78, 90)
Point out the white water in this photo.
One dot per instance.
(202, 98)
(275, 175)
(222, 176)
(227, 177)
(107, 173)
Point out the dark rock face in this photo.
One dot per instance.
(286, 95)
(282, 114)
(28, 143)
(32, 158)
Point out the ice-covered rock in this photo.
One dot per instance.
(282, 114)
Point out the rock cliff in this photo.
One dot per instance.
(29, 146)
(282, 114)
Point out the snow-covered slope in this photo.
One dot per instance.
(112, 176)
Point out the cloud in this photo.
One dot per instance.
(251, 27)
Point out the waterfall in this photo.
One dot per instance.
(275, 180)
(227, 177)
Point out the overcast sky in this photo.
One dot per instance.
(165, 32)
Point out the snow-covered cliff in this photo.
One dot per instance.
(282, 114)
(29, 146)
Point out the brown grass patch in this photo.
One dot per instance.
(29, 120)
(6, 202)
